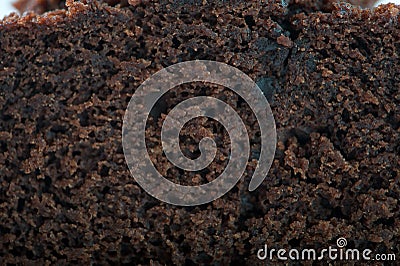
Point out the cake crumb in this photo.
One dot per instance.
(285, 41)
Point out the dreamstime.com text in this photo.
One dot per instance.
(332, 253)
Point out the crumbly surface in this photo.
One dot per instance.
(41, 6)
(332, 79)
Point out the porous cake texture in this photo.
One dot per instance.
(332, 79)
(40, 6)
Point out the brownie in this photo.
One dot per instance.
(66, 77)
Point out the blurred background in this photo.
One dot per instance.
(6, 6)
(387, 1)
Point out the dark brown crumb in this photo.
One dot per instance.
(66, 195)
(41, 6)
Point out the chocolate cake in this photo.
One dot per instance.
(331, 73)
(41, 6)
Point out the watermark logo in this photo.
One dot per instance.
(147, 95)
(331, 253)
(341, 242)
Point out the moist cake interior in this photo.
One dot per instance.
(330, 72)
